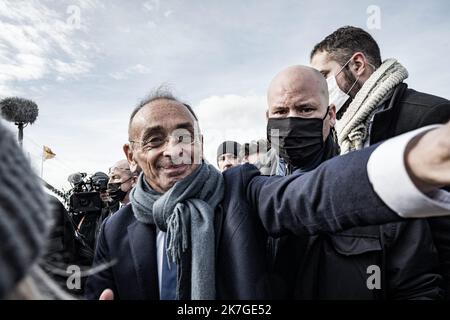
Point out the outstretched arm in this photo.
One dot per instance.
(350, 190)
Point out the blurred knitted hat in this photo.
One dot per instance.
(228, 147)
(25, 218)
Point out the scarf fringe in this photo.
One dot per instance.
(177, 242)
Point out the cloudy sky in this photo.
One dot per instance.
(86, 63)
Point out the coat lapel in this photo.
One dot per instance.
(143, 249)
(384, 122)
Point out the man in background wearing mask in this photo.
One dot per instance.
(374, 104)
(336, 266)
(121, 181)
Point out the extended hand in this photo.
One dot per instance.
(428, 159)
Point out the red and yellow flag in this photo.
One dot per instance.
(48, 153)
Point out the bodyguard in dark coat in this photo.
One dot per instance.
(250, 208)
(374, 104)
(407, 110)
(393, 261)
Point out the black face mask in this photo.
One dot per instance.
(115, 192)
(300, 140)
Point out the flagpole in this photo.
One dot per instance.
(47, 153)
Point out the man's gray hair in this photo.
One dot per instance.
(160, 93)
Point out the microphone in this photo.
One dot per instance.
(19, 110)
(76, 178)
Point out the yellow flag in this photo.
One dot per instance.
(48, 153)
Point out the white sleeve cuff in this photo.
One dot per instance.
(391, 181)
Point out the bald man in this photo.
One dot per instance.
(299, 111)
(392, 261)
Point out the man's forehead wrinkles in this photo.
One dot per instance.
(278, 103)
(168, 126)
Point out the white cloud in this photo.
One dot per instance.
(231, 117)
(6, 91)
(136, 69)
(25, 67)
(74, 68)
(139, 68)
(118, 75)
(24, 11)
(152, 5)
(89, 4)
(36, 41)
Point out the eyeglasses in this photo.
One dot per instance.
(159, 140)
(112, 169)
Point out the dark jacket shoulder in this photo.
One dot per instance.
(418, 109)
(117, 223)
(408, 110)
(414, 97)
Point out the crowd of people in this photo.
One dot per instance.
(345, 198)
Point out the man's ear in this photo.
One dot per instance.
(129, 153)
(332, 113)
(360, 63)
